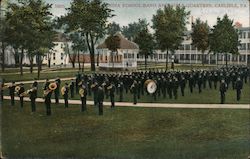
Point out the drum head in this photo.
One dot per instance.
(151, 87)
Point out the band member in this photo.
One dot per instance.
(72, 87)
(20, 92)
(78, 78)
(33, 96)
(100, 98)
(133, 90)
(83, 94)
(65, 94)
(175, 87)
(35, 83)
(120, 90)
(182, 85)
(47, 100)
(223, 89)
(46, 84)
(238, 86)
(12, 93)
(58, 82)
(111, 89)
(94, 88)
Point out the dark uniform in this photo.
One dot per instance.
(223, 89)
(100, 98)
(175, 87)
(65, 93)
(33, 96)
(12, 93)
(83, 94)
(133, 90)
(57, 90)
(120, 91)
(20, 94)
(238, 86)
(72, 87)
(46, 84)
(111, 89)
(182, 85)
(47, 100)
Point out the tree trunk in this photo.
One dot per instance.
(78, 56)
(97, 59)
(167, 61)
(16, 57)
(226, 59)
(3, 57)
(91, 50)
(21, 62)
(146, 57)
(39, 66)
(202, 58)
(83, 65)
(49, 60)
(31, 64)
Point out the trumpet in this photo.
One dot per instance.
(5, 86)
(81, 92)
(26, 93)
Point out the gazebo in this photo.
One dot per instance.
(125, 58)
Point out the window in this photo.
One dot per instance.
(61, 56)
(248, 46)
(244, 35)
(187, 47)
(181, 56)
(243, 46)
(187, 57)
(54, 56)
(137, 56)
(193, 47)
(181, 47)
(125, 55)
(165, 56)
(249, 35)
(160, 56)
(192, 57)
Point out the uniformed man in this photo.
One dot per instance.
(238, 86)
(94, 88)
(175, 87)
(100, 98)
(20, 94)
(57, 90)
(83, 95)
(199, 82)
(223, 89)
(65, 94)
(78, 79)
(72, 87)
(182, 85)
(47, 100)
(120, 91)
(169, 87)
(133, 90)
(33, 96)
(111, 89)
(46, 84)
(12, 93)
(191, 82)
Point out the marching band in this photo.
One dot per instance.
(155, 83)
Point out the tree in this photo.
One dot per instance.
(224, 37)
(132, 29)
(146, 44)
(113, 44)
(90, 18)
(200, 34)
(169, 25)
(78, 45)
(113, 28)
(3, 40)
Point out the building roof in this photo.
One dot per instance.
(124, 43)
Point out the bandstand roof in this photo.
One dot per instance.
(124, 43)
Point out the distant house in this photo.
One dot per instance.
(126, 57)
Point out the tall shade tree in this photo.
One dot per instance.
(146, 43)
(78, 45)
(113, 28)
(200, 34)
(90, 18)
(224, 37)
(3, 40)
(113, 44)
(169, 24)
(132, 29)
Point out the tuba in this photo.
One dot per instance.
(17, 89)
(26, 93)
(151, 86)
(52, 86)
(81, 92)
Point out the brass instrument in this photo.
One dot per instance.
(93, 85)
(109, 87)
(5, 86)
(26, 93)
(81, 92)
(17, 89)
(80, 83)
(63, 89)
(151, 86)
(52, 86)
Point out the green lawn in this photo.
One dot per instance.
(210, 96)
(124, 133)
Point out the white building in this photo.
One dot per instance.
(126, 56)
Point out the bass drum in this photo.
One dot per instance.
(151, 87)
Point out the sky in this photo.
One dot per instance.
(128, 11)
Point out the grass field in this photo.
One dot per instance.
(210, 96)
(125, 133)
